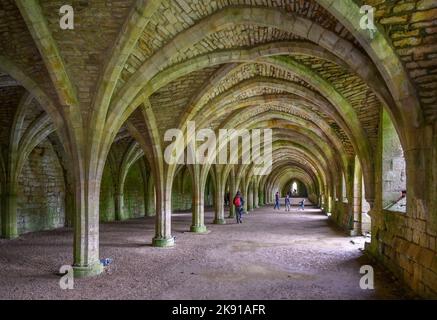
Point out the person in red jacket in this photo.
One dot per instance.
(238, 203)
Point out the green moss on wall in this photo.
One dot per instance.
(107, 203)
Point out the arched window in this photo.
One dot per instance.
(294, 188)
(393, 168)
(365, 208)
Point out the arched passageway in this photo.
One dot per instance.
(294, 188)
(104, 128)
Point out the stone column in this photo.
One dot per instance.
(250, 198)
(268, 194)
(9, 216)
(86, 229)
(330, 207)
(69, 208)
(163, 236)
(150, 197)
(357, 196)
(198, 223)
(219, 197)
(245, 192)
(324, 202)
(119, 206)
(146, 177)
(198, 213)
(219, 209)
(265, 195)
(232, 192)
(261, 200)
(255, 195)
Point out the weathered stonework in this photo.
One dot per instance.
(411, 26)
(41, 193)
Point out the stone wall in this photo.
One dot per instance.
(407, 247)
(209, 193)
(134, 193)
(41, 192)
(411, 25)
(134, 204)
(406, 242)
(341, 215)
(181, 201)
(181, 198)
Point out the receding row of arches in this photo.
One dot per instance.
(128, 190)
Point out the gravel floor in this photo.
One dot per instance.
(272, 255)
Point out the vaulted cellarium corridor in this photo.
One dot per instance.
(145, 146)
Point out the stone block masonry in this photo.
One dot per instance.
(41, 193)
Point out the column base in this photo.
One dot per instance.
(10, 236)
(163, 242)
(219, 221)
(88, 271)
(353, 233)
(198, 229)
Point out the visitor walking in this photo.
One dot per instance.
(287, 202)
(238, 203)
(276, 201)
(302, 205)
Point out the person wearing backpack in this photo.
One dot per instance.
(238, 203)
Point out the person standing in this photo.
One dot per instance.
(276, 201)
(238, 203)
(287, 202)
